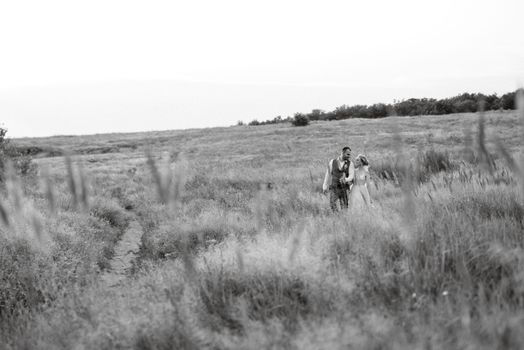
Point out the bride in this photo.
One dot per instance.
(359, 194)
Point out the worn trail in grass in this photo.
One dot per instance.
(125, 252)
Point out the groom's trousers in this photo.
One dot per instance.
(338, 194)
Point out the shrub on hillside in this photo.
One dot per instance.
(300, 120)
(4, 152)
(8, 153)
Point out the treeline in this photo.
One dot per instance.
(463, 103)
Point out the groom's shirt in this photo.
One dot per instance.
(338, 162)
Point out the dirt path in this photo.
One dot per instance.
(125, 252)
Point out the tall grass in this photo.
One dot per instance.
(424, 166)
(227, 261)
(51, 245)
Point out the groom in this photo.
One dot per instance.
(339, 174)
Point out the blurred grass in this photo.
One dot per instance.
(240, 249)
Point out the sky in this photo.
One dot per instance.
(83, 67)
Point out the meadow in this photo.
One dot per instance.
(238, 248)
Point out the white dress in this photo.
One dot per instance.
(359, 194)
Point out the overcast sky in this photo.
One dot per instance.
(79, 67)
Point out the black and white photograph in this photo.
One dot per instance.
(289, 174)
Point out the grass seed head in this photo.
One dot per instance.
(4, 215)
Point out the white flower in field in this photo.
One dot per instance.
(445, 293)
(414, 295)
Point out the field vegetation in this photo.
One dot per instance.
(240, 250)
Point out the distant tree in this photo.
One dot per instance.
(492, 102)
(240, 123)
(300, 120)
(358, 111)
(465, 106)
(466, 102)
(342, 112)
(406, 107)
(254, 122)
(444, 106)
(316, 114)
(378, 110)
(277, 119)
(507, 101)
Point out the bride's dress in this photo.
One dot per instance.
(359, 194)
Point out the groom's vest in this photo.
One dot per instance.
(337, 174)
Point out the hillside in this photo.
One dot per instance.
(370, 136)
(221, 238)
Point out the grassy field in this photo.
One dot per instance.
(239, 249)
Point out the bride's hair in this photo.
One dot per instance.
(363, 159)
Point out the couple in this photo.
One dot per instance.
(343, 177)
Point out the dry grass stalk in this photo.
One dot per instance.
(157, 178)
(177, 178)
(520, 108)
(84, 194)
(168, 183)
(261, 209)
(295, 243)
(49, 191)
(77, 184)
(17, 212)
(484, 155)
(169, 188)
(240, 259)
(38, 226)
(71, 181)
(4, 215)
